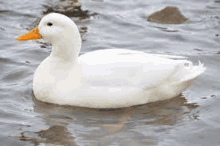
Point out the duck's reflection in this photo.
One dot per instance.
(59, 135)
(168, 112)
(97, 124)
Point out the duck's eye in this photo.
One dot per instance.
(49, 24)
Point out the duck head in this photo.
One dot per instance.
(60, 31)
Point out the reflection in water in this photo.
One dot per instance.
(168, 112)
(70, 8)
(58, 135)
(97, 125)
(123, 118)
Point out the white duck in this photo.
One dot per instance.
(111, 78)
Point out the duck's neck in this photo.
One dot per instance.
(66, 50)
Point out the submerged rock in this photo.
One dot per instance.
(168, 15)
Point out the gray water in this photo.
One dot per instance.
(190, 119)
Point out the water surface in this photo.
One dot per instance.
(190, 119)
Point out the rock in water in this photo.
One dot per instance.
(168, 15)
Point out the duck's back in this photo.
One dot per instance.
(120, 78)
(119, 67)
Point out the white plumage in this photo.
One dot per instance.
(109, 78)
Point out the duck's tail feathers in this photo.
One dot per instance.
(190, 71)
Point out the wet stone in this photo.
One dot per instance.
(168, 15)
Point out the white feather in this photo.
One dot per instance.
(109, 78)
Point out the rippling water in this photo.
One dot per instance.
(191, 119)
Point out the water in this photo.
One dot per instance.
(191, 119)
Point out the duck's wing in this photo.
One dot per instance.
(118, 67)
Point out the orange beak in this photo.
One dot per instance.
(31, 35)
